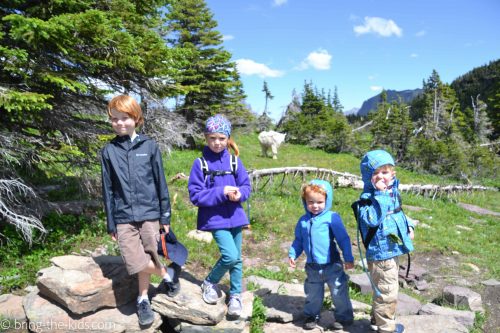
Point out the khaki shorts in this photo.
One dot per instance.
(138, 242)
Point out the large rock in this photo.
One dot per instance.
(461, 296)
(46, 316)
(189, 306)
(431, 323)
(12, 316)
(466, 318)
(407, 305)
(85, 284)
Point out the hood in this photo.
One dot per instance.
(371, 162)
(329, 196)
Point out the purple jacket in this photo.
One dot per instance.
(215, 211)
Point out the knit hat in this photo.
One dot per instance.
(218, 124)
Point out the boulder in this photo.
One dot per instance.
(46, 316)
(86, 284)
(189, 306)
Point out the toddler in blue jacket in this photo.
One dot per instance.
(387, 234)
(317, 233)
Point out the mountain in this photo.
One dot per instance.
(392, 95)
(351, 111)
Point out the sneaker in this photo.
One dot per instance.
(339, 325)
(310, 323)
(399, 329)
(373, 325)
(234, 306)
(171, 289)
(145, 314)
(211, 292)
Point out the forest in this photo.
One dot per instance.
(61, 60)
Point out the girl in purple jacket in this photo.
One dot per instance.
(218, 184)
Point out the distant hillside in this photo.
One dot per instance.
(392, 95)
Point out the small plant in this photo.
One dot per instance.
(479, 321)
(258, 316)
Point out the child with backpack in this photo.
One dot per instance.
(218, 184)
(317, 233)
(386, 233)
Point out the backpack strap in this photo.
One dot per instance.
(371, 230)
(213, 173)
(234, 164)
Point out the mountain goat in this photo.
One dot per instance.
(271, 139)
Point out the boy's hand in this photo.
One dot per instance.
(348, 265)
(166, 227)
(113, 236)
(411, 233)
(291, 262)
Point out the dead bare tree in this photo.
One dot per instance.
(263, 178)
(10, 192)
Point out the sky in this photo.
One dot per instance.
(358, 46)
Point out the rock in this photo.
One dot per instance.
(202, 236)
(225, 325)
(466, 318)
(461, 296)
(189, 306)
(431, 323)
(12, 316)
(85, 284)
(407, 305)
(46, 316)
(361, 282)
(491, 282)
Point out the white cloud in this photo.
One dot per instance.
(319, 60)
(227, 37)
(421, 33)
(378, 26)
(371, 77)
(250, 67)
(376, 88)
(278, 3)
(413, 55)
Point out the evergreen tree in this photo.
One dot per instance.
(268, 95)
(59, 59)
(208, 75)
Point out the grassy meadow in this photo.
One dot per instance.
(274, 211)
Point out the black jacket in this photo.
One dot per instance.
(134, 188)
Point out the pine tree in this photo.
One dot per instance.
(208, 75)
(268, 95)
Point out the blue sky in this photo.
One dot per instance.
(359, 46)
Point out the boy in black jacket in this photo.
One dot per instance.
(136, 199)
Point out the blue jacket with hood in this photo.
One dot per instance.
(312, 234)
(380, 213)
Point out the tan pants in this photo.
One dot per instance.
(384, 274)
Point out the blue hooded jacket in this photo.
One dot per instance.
(380, 213)
(312, 234)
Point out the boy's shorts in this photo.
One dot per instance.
(138, 242)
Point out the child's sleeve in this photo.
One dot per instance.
(296, 248)
(342, 237)
(201, 195)
(107, 191)
(161, 186)
(243, 182)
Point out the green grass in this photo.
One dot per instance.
(274, 212)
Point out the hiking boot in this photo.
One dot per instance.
(145, 314)
(234, 306)
(339, 325)
(373, 325)
(399, 329)
(310, 323)
(211, 292)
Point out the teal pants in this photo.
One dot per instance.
(229, 242)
